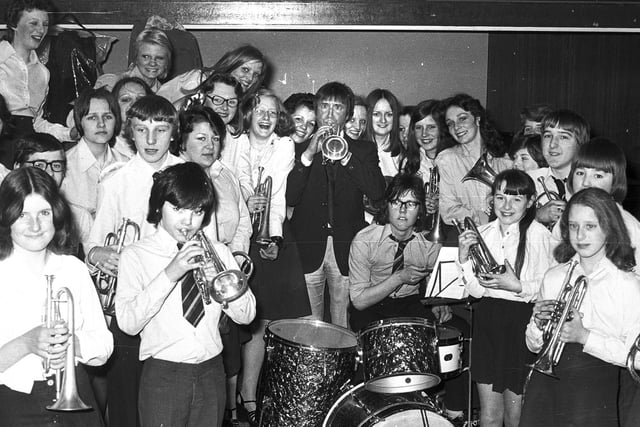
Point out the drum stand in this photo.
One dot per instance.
(468, 368)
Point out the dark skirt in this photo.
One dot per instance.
(500, 353)
(584, 394)
(279, 285)
(233, 336)
(629, 400)
(21, 409)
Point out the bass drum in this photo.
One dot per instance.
(359, 407)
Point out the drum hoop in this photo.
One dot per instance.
(458, 338)
(270, 334)
(398, 321)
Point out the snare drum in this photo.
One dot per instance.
(307, 365)
(362, 408)
(399, 355)
(449, 351)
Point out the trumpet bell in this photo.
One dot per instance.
(229, 286)
(334, 148)
(481, 172)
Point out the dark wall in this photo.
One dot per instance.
(597, 75)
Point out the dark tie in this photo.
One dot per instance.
(398, 259)
(192, 305)
(560, 186)
(331, 185)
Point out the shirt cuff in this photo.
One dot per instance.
(305, 162)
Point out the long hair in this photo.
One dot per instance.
(617, 246)
(83, 104)
(491, 138)
(395, 145)
(400, 184)
(518, 183)
(237, 57)
(430, 107)
(284, 124)
(192, 116)
(15, 188)
(186, 186)
(604, 155)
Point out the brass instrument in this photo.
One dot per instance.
(631, 359)
(481, 258)
(214, 280)
(334, 148)
(481, 172)
(67, 397)
(434, 222)
(570, 297)
(551, 195)
(106, 285)
(263, 235)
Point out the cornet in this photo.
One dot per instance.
(334, 148)
(570, 298)
(631, 359)
(481, 172)
(432, 189)
(551, 195)
(67, 397)
(263, 235)
(106, 285)
(479, 254)
(214, 280)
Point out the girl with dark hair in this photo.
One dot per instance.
(127, 91)
(600, 332)
(357, 123)
(35, 224)
(300, 108)
(467, 124)
(382, 128)
(526, 152)
(525, 246)
(183, 381)
(97, 118)
(404, 122)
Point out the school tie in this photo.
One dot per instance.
(560, 186)
(398, 259)
(192, 305)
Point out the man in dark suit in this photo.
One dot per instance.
(327, 201)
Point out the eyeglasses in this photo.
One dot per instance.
(273, 114)
(218, 100)
(55, 165)
(409, 204)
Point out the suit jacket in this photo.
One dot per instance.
(307, 193)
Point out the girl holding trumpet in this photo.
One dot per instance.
(525, 246)
(600, 331)
(35, 228)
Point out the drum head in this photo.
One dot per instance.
(313, 334)
(413, 418)
(448, 334)
(402, 383)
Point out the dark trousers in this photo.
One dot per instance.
(182, 394)
(628, 400)
(21, 409)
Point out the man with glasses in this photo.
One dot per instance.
(327, 201)
(42, 151)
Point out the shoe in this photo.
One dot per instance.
(230, 418)
(251, 415)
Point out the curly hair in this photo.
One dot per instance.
(284, 125)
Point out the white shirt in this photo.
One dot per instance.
(538, 258)
(125, 194)
(235, 155)
(426, 164)
(470, 198)
(548, 178)
(276, 156)
(22, 308)
(230, 223)
(388, 165)
(610, 310)
(147, 302)
(123, 147)
(183, 85)
(80, 184)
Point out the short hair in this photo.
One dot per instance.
(17, 7)
(395, 145)
(618, 247)
(490, 136)
(570, 121)
(534, 113)
(159, 38)
(237, 57)
(83, 103)
(284, 125)
(15, 188)
(604, 155)
(33, 143)
(209, 85)
(130, 79)
(298, 100)
(340, 92)
(531, 143)
(185, 185)
(151, 107)
(400, 184)
(189, 118)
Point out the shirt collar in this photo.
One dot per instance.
(386, 233)
(86, 158)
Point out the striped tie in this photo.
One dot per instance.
(398, 259)
(192, 305)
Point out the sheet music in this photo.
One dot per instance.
(444, 281)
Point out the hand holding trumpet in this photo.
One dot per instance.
(49, 343)
(185, 260)
(105, 258)
(317, 138)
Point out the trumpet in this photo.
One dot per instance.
(481, 258)
(106, 285)
(432, 189)
(551, 195)
(334, 148)
(67, 397)
(481, 172)
(570, 297)
(263, 235)
(631, 360)
(224, 285)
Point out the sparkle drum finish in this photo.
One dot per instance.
(359, 407)
(307, 365)
(399, 355)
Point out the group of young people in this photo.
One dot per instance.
(196, 153)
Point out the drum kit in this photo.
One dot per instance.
(309, 370)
